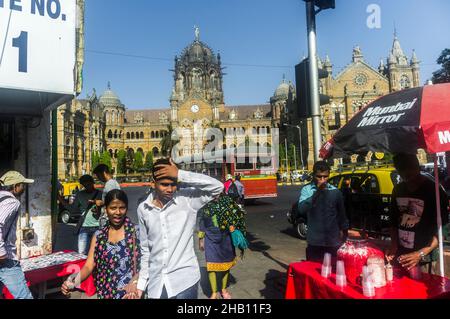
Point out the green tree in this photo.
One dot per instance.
(149, 161)
(138, 161)
(121, 162)
(443, 75)
(291, 157)
(105, 158)
(168, 141)
(95, 159)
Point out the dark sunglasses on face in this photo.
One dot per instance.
(322, 176)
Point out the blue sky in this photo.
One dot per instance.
(259, 41)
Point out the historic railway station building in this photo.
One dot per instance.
(197, 101)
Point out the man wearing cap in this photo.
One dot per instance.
(12, 186)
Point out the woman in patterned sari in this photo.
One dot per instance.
(113, 257)
(222, 228)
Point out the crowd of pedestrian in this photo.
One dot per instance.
(154, 259)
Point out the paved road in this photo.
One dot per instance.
(273, 245)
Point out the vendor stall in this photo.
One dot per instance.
(39, 270)
(304, 281)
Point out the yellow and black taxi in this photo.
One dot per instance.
(367, 194)
(68, 190)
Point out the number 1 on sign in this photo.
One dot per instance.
(21, 42)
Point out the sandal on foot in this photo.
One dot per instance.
(226, 295)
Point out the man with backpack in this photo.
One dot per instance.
(12, 186)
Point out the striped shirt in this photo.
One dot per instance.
(9, 213)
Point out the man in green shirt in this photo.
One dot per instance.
(84, 203)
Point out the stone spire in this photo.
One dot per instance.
(414, 60)
(381, 66)
(327, 64)
(319, 62)
(397, 52)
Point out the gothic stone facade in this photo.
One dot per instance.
(353, 88)
(196, 102)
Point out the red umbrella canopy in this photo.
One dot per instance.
(399, 122)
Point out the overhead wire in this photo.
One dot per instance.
(226, 64)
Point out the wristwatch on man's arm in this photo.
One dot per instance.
(422, 255)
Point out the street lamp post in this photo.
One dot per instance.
(286, 151)
(295, 160)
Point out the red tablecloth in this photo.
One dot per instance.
(304, 281)
(41, 275)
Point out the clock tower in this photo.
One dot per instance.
(197, 93)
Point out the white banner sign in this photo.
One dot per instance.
(37, 45)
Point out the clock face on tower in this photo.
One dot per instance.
(195, 108)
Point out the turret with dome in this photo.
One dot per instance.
(197, 74)
(284, 93)
(114, 110)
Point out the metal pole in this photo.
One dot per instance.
(54, 193)
(295, 159)
(301, 147)
(287, 162)
(314, 77)
(438, 217)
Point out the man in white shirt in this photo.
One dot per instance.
(167, 218)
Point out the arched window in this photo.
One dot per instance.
(115, 134)
(110, 134)
(128, 135)
(111, 153)
(140, 150)
(157, 134)
(152, 134)
(155, 151)
(132, 135)
(137, 135)
(142, 135)
(115, 153)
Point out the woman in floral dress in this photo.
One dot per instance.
(113, 257)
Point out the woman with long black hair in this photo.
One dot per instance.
(114, 254)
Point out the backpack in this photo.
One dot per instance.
(233, 191)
